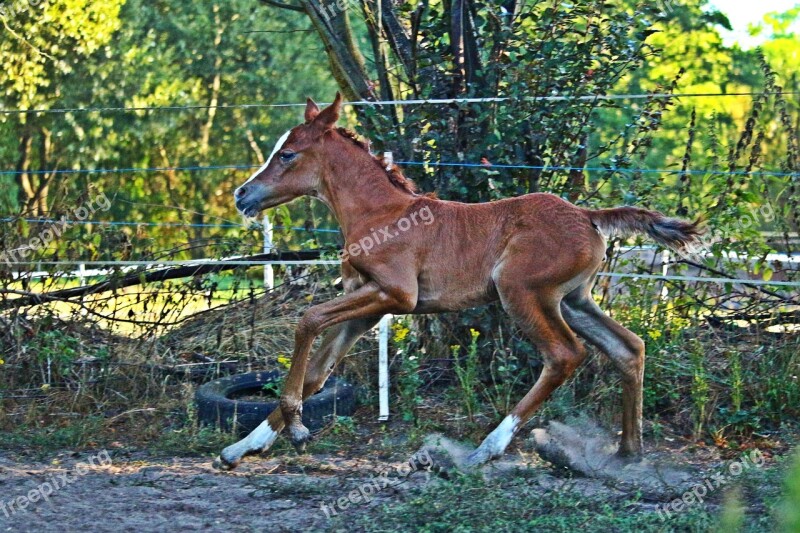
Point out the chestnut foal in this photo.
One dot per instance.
(410, 253)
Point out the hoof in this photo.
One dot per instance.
(221, 464)
(477, 459)
(437, 461)
(299, 436)
(629, 455)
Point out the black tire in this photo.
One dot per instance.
(216, 408)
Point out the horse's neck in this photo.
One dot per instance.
(358, 191)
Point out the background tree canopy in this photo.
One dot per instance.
(192, 65)
(165, 106)
(187, 67)
(77, 54)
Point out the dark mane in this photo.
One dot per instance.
(394, 174)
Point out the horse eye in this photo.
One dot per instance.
(287, 155)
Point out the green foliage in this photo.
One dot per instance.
(506, 377)
(53, 353)
(467, 374)
(78, 433)
(736, 380)
(732, 393)
(468, 503)
(45, 43)
(189, 437)
(408, 379)
(790, 510)
(135, 53)
(732, 517)
(344, 426)
(274, 388)
(700, 388)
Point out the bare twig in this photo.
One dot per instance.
(283, 5)
(138, 278)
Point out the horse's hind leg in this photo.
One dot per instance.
(539, 315)
(335, 344)
(624, 348)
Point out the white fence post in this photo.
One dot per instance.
(269, 273)
(383, 367)
(82, 274)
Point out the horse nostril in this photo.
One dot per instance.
(241, 191)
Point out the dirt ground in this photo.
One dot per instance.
(186, 494)
(139, 491)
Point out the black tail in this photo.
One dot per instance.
(674, 233)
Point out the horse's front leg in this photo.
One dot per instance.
(370, 300)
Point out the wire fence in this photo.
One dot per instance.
(227, 225)
(602, 168)
(130, 265)
(485, 166)
(430, 101)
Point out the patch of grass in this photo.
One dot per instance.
(340, 432)
(467, 374)
(193, 440)
(408, 379)
(468, 503)
(269, 487)
(80, 433)
(190, 438)
(790, 506)
(761, 499)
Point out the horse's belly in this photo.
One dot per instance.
(453, 293)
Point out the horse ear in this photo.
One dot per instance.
(312, 110)
(327, 117)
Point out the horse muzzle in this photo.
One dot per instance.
(251, 198)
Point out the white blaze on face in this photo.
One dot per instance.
(275, 150)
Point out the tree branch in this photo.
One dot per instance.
(347, 65)
(282, 5)
(398, 40)
(30, 299)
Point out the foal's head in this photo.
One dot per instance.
(295, 166)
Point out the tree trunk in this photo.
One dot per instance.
(347, 64)
(26, 193)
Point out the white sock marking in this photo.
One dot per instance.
(258, 439)
(499, 439)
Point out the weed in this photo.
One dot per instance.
(700, 389)
(190, 437)
(505, 373)
(468, 503)
(408, 380)
(790, 507)
(467, 375)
